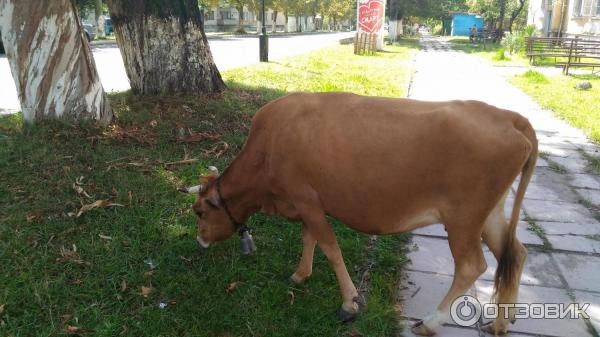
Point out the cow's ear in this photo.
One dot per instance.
(213, 200)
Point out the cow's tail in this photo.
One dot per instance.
(506, 280)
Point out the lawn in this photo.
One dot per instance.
(134, 268)
(581, 108)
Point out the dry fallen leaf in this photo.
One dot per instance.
(123, 285)
(34, 218)
(2, 306)
(73, 329)
(104, 237)
(291, 293)
(231, 286)
(148, 273)
(80, 191)
(146, 291)
(96, 204)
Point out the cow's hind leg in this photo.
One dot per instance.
(495, 235)
(306, 261)
(469, 264)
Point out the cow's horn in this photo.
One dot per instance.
(193, 189)
(213, 169)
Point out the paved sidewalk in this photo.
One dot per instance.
(564, 257)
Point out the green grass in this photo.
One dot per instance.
(58, 270)
(581, 108)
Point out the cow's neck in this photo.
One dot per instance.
(239, 192)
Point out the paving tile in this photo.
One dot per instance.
(526, 236)
(543, 210)
(581, 272)
(573, 164)
(553, 193)
(536, 294)
(583, 180)
(433, 255)
(574, 243)
(593, 310)
(432, 230)
(541, 162)
(421, 293)
(563, 150)
(590, 195)
(553, 228)
(444, 331)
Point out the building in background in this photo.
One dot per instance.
(565, 17)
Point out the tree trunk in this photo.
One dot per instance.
(51, 61)
(164, 47)
(99, 19)
(515, 14)
(240, 11)
(502, 7)
(274, 28)
(287, 17)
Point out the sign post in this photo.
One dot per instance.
(371, 14)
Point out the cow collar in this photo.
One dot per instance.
(239, 227)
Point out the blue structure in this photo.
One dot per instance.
(462, 23)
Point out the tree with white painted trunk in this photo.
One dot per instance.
(51, 61)
(164, 47)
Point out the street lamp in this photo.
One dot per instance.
(263, 39)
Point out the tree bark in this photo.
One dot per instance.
(51, 62)
(287, 17)
(240, 10)
(164, 47)
(502, 14)
(274, 28)
(515, 14)
(99, 21)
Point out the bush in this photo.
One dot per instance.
(513, 42)
(499, 55)
(535, 77)
(438, 29)
(528, 31)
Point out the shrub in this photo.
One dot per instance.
(513, 42)
(535, 77)
(499, 55)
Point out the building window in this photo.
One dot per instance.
(577, 7)
(226, 15)
(598, 8)
(209, 15)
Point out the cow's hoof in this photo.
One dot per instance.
(421, 329)
(297, 278)
(346, 316)
(494, 328)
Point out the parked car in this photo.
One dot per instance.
(89, 31)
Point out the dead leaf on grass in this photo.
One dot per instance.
(105, 237)
(148, 273)
(2, 307)
(96, 204)
(217, 150)
(232, 286)
(146, 291)
(67, 255)
(34, 218)
(291, 293)
(123, 285)
(199, 137)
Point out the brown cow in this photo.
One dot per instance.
(382, 166)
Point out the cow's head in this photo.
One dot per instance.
(213, 222)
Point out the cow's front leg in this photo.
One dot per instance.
(306, 261)
(331, 249)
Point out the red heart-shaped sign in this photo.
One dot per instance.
(370, 15)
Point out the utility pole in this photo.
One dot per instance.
(263, 39)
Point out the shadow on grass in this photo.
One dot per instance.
(89, 271)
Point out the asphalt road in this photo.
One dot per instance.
(228, 52)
